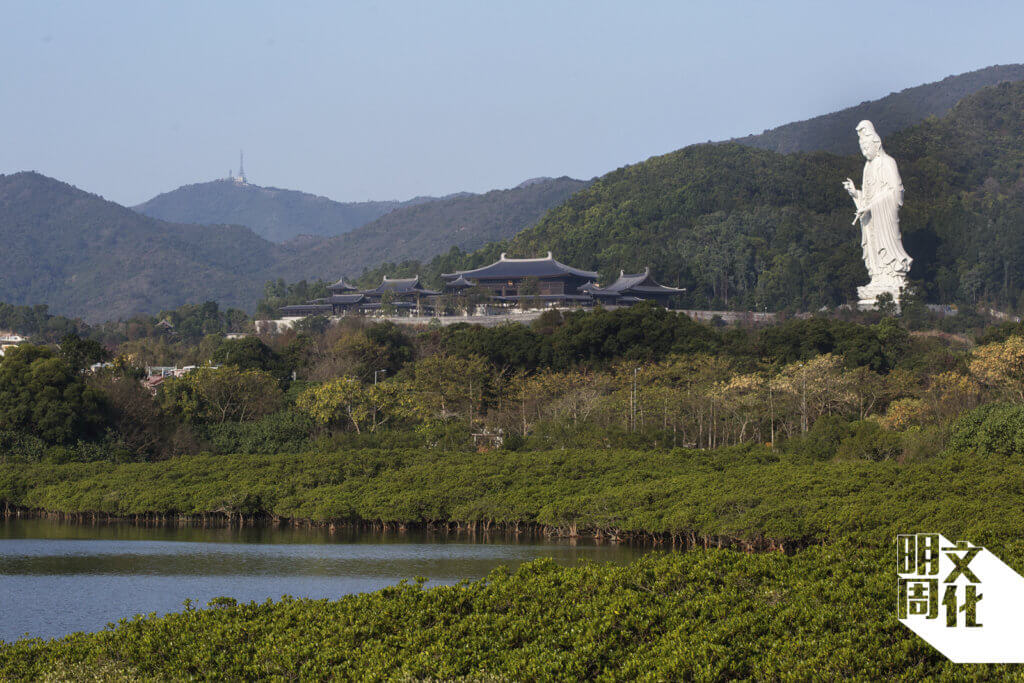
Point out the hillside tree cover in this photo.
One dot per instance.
(634, 377)
(894, 112)
(748, 229)
(463, 221)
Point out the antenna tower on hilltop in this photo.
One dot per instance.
(241, 168)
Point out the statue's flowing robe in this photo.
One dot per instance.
(882, 197)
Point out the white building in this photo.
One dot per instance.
(8, 340)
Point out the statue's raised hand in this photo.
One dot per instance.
(851, 188)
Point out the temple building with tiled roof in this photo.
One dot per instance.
(633, 287)
(302, 310)
(459, 284)
(512, 278)
(400, 287)
(342, 303)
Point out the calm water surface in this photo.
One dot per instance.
(56, 579)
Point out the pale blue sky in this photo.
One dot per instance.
(364, 100)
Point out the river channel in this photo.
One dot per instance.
(59, 578)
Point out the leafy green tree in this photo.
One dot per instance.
(250, 353)
(40, 394)
(215, 396)
(80, 353)
(346, 402)
(448, 386)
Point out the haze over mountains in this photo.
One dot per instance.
(272, 213)
(325, 237)
(739, 226)
(91, 258)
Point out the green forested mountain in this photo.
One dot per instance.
(90, 258)
(466, 221)
(274, 214)
(751, 229)
(740, 227)
(899, 110)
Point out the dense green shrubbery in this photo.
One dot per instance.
(990, 429)
(646, 333)
(286, 431)
(823, 614)
(749, 496)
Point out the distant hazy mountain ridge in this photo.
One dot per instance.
(832, 132)
(88, 257)
(275, 214)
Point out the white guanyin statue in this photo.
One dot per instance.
(878, 203)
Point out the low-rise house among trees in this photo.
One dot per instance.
(525, 282)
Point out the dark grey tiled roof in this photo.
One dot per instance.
(410, 285)
(341, 286)
(506, 268)
(305, 309)
(458, 283)
(594, 290)
(340, 299)
(396, 304)
(639, 282)
(543, 297)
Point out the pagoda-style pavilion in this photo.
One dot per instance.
(457, 286)
(400, 293)
(631, 288)
(341, 287)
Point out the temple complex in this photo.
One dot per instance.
(506, 283)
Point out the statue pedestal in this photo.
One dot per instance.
(868, 294)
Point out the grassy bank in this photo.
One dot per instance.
(744, 497)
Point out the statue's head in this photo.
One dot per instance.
(870, 142)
